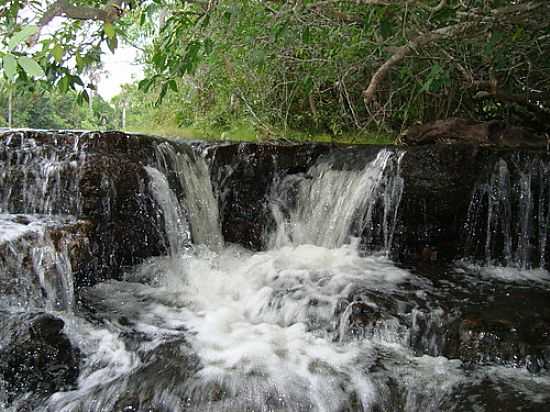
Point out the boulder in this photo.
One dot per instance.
(35, 355)
(457, 130)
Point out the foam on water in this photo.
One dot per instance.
(262, 324)
(507, 274)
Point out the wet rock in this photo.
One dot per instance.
(125, 226)
(499, 393)
(487, 338)
(438, 181)
(243, 175)
(40, 258)
(35, 355)
(457, 130)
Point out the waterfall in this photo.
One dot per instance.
(193, 185)
(313, 323)
(509, 215)
(35, 271)
(39, 178)
(175, 223)
(327, 206)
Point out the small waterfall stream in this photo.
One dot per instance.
(35, 272)
(195, 191)
(509, 216)
(322, 320)
(327, 206)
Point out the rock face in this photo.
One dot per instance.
(438, 181)
(35, 355)
(96, 177)
(102, 178)
(244, 174)
(461, 131)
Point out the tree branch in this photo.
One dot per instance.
(404, 51)
(523, 10)
(112, 11)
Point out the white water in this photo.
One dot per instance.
(263, 325)
(329, 205)
(196, 194)
(175, 223)
(268, 327)
(35, 271)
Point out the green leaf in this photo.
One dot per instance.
(112, 43)
(58, 52)
(80, 62)
(173, 85)
(159, 59)
(162, 93)
(10, 67)
(64, 84)
(31, 67)
(109, 30)
(83, 97)
(21, 36)
(145, 84)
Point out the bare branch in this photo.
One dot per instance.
(407, 49)
(523, 10)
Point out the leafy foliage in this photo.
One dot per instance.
(37, 108)
(311, 65)
(306, 65)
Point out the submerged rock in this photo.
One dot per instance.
(35, 355)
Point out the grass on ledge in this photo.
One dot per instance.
(241, 132)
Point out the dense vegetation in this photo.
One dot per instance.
(323, 66)
(43, 109)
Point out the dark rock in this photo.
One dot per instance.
(162, 383)
(36, 355)
(457, 130)
(243, 175)
(438, 182)
(487, 338)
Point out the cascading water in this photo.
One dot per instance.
(327, 206)
(272, 330)
(314, 323)
(195, 192)
(175, 222)
(509, 215)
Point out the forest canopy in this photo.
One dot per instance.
(310, 65)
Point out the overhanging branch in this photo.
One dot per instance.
(112, 11)
(520, 11)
